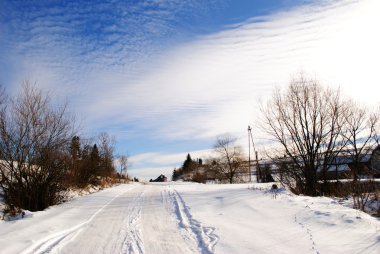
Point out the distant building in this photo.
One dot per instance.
(375, 162)
(340, 168)
(160, 179)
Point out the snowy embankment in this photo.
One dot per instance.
(193, 218)
(252, 221)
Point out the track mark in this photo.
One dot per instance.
(56, 240)
(133, 242)
(205, 237)
(308, 233)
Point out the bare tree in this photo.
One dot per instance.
(306, 122)
(360, 134)
(361, 139)
(34, 145)
(123, 161)
(106, 150)
(228, 162)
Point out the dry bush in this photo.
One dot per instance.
(33, 147)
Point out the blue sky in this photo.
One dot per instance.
(165, 77)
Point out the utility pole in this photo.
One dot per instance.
(258, 173)
(249, 154)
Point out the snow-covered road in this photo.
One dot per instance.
(192, 218)
(144, 219)
(125, 219)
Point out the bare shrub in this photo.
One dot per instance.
(228, 163)
(33, 147)
(359, 134)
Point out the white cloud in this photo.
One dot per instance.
(213, 85)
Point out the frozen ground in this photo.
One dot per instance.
(193, 218)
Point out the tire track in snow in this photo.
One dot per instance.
(204, 236)
(133, 241)
(51, 242)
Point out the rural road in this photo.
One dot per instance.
(142, 219)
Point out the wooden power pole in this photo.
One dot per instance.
(250, 139)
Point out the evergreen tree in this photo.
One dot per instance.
(75, 148)
(94, 164)
(175, 175)
(95, 153)
(188, 164)
(75, 159)
(86, 151)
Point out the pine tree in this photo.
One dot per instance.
(94, 164)
(75, 148)
(75, 159)
(187, 164)
(175, 175)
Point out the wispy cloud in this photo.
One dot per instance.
(212, 85)
(78, 38)
(129, 80)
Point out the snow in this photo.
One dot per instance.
(193, 218)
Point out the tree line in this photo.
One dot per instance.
(41, 154)
(226, 164)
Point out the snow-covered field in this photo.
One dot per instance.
(193, 218)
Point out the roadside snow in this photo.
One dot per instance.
(46, 229)
(193, 218)
(252, 221)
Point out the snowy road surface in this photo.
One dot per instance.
(192, 218)
(125, 219)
